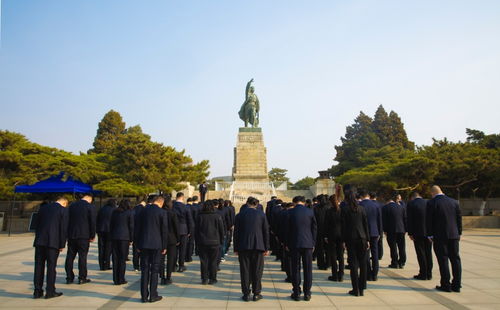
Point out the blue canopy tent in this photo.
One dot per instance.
(53, 184)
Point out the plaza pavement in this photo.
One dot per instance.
(396, 289)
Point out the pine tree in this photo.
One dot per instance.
(398, 133)
(382, 126)
(110, 128)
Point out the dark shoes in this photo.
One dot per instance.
(212, 281)
(204, 281)
(166, 281)
(53, 295)
(83, 281)
(456, 289)
(37, 294)
(354, 293)
(307, 297)
(157, 298)
(181, 269)
(288, 280)
(295, 297)
(443, 289)
(393, 266)
(332, 278)
(70, 281)
(257, 297)
(245, 297)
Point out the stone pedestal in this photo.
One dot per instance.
(323, 187)
(250, 157)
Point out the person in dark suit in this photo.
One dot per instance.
(373, 197)
(172, 243)
(135, 253)
(417, 231)
(333, 239)
(301, 235)
(186, 226)
(81, 231)
(224, 213)
(356, 234)
(245, 206)
(320, 248)
(151, 235)
(394, 220)
(251, 244)
(194, 209)
(282, 221)
(103, 229)
(122, 235)
(50, 240)
(374, 217)
(209, 236)
(232, 214)
(203, 188)
(444, 228)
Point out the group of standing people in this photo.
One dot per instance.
(166, 233)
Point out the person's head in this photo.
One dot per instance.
(63, 201)
(322, 200)
(299, 200)
(363, 194)
(125, 205)
(350, 198)
(415, 195)
(252, 89)
(273, 197)
(150, 199)
(396, 197)
(227, 203)
(194, 199)
(158, 200)
(179, 196)
(188, 201)
(87, 197)
(252, 202)
(373, 195)
(436, 190)
(334, 201)
(168, 204)
(208, 206)
(111, 202)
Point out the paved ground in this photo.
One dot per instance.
(480, 250)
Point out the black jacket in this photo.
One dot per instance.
(301, 229)
(186, 224)
(122, 225)
(394, 218)
(152, 229)
(210, 229)
(104, 219)
(173, 228)
(251, 231)
(354, 224)
(416, 212)
(320, 215)
(374, 217)
(82, 220)
(333, 223)
(52, 226)
(444, 218)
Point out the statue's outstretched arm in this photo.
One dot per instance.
(247, 91)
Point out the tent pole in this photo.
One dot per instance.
(11, 213)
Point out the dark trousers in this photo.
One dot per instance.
(229, 239)
(171, 259)
(381, 247)
(104, 245)
(423, 248)
(208, 261)
(396, 242)
(336, 256)
(287, 264)
(304, 255)
(44, 255)
(80, 247)
(356, 256)
(373, 258)
(135, 258)
(202, 196)
(190, 249)
(120, 253)
(181, 250)
(150, 266)
(321, 254)
(447, 250)
(251, 269)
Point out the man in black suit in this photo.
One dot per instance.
(374, 218)
(416, 210)
(251, 244)
(373, 197)
(81, 231)
(444, 228)
(103, 229)
(151, 236)
(301, 233)
(203, 188)
(50, 240)
(194, 208)
(135, 253)
(186, 228)
(394, 221)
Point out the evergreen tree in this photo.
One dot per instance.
(398, 133)
(110, 128)
(382, 126)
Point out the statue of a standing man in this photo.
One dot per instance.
(249, 112)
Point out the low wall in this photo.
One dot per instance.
(481, 222)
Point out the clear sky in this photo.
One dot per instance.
(179, 69)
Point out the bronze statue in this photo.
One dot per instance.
(249, 112)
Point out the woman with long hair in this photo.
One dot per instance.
(333, 239)
(355, 235)
(122, 235)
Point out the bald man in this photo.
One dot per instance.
(444, 228)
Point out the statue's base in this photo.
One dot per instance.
(250, 129)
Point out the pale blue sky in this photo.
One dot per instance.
(179, 69)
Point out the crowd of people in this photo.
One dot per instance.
(165, 234)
